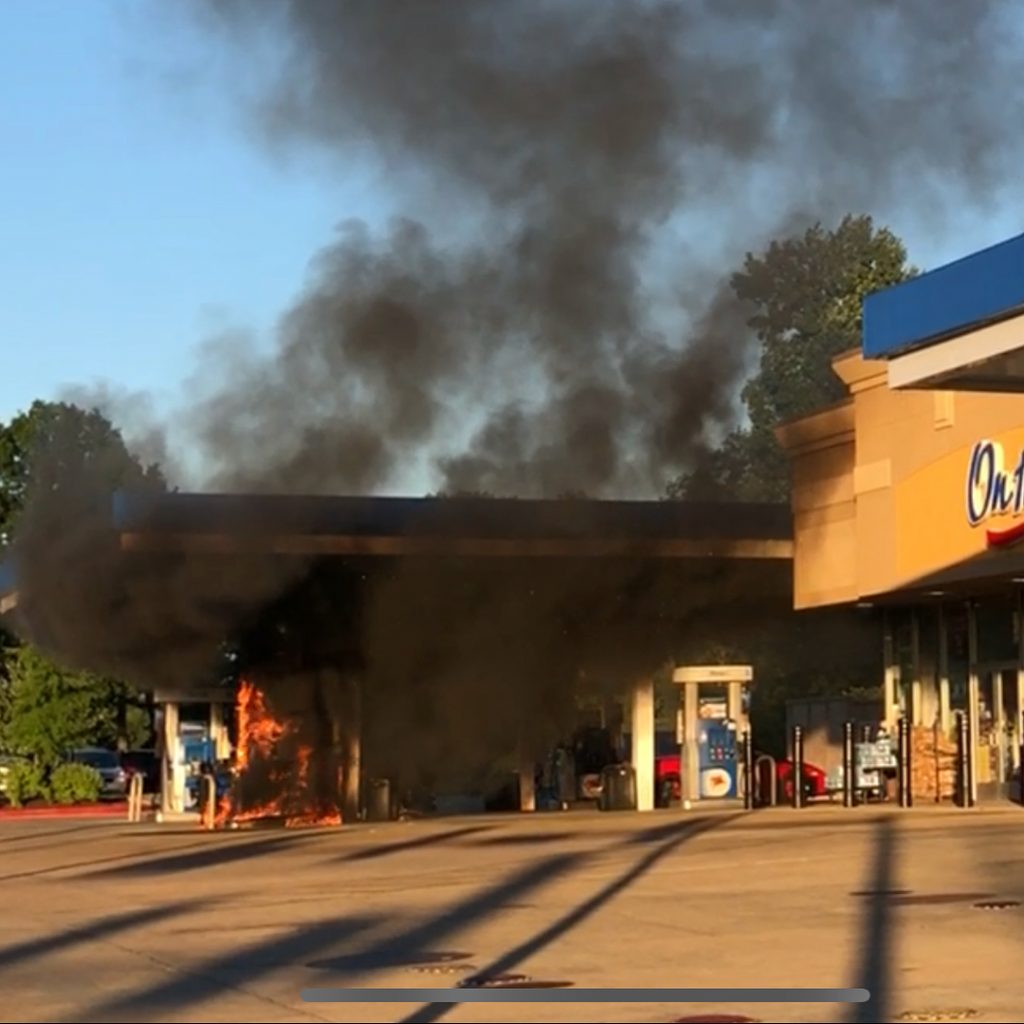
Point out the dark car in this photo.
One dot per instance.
(106, 762)
(145, 763)
(592, 751)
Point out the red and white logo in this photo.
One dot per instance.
(715, 782)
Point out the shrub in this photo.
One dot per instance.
(75, 784)
(24, 782)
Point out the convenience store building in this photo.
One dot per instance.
(908, 497)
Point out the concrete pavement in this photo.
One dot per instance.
(111, 922)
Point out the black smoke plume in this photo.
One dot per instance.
(576, 148)
(553, 312)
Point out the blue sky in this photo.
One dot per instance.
(138, 218)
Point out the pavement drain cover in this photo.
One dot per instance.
(938, 899)
(443, 961)
(432, 960)
(881, 892)
(996, 905)
(716, 1018)
(444, 968)
(510, 981)
(936, 1016)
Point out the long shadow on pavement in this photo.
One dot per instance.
(874, 972)
(206, 857)
(673, 836)
(43, 835)
(210, 979)
(207, 980)
(536, 839)
(413, 944)
(433, 839)
(92, 932)
(75, 866)
(241, 968)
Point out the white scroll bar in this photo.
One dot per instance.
(501, 994)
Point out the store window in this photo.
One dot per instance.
(958, 655)
(928, 635)
(902, 624)
(997, 625)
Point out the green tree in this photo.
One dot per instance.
(55, 446)
(7, 644)
(805, 294)
(51, 710)
(55, 450)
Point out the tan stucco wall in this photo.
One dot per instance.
(879, 483)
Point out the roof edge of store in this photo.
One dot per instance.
(981, 288)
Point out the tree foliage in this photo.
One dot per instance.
(75, 783)
(54, 445)
(50, 711)
(805, 294)
(55, 448)
(826, 652)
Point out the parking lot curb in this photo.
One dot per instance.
(111, 810)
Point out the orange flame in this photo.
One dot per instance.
(260, 737)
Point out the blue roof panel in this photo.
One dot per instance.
(984, 286)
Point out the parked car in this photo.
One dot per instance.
(6, 760)
(108, 764)
(592, 751)
(815, 780)
(145, 763)
(667, 779)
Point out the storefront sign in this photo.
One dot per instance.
(994, 491)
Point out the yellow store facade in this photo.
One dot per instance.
(908, 499)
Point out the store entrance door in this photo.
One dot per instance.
(998, 736)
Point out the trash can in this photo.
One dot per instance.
(565, 773)
(378, 800)
(618, 788)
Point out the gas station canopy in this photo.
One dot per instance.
(959, 327)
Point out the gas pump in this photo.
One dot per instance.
(714, 709)
(718, 760)
(193, 733)
(197, 756)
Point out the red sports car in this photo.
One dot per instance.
(667, 776)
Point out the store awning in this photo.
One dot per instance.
(958, 327)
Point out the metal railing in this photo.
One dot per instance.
(773, 781)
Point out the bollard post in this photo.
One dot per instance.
(903, 768)
(135, 798)
(748, 771)
(797, 762)
(207, 801)
(211, 800)
(762, 764)
(969, 746)
(965, 797)
(1020, 768)
(849, 767)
